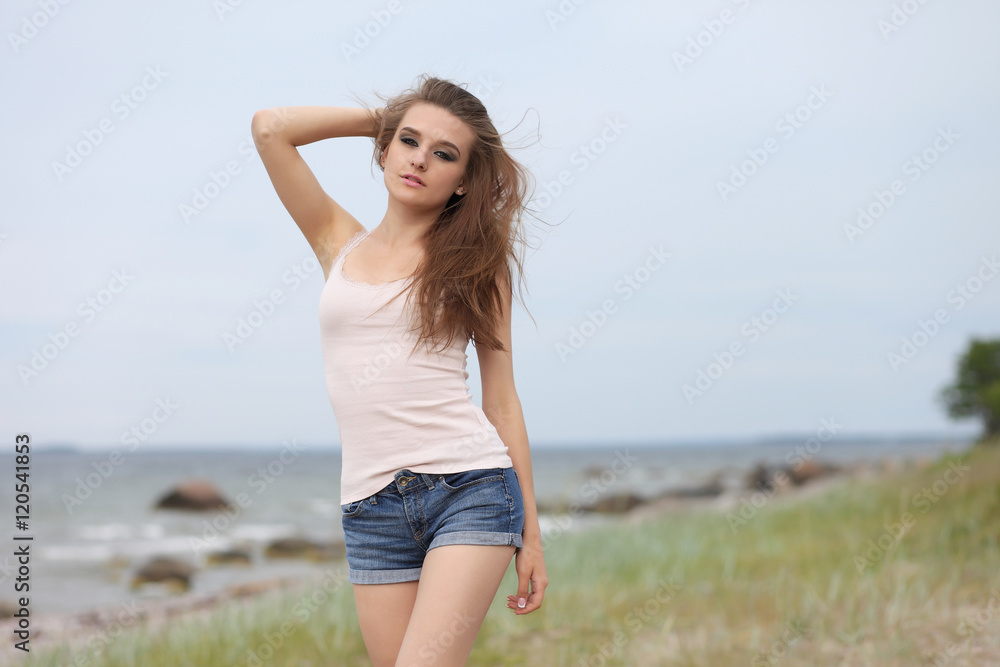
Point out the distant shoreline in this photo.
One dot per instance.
(752, 441)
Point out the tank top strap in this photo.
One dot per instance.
(351, 243)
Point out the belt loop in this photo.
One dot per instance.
(427, 480)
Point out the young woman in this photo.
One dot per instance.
(436, 493)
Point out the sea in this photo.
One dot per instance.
(93, 522)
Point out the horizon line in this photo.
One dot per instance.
(774, 438)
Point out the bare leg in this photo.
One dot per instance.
(457, 585)
(383, 612)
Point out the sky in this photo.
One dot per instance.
(755, 216)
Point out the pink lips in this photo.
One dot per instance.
(412, 180)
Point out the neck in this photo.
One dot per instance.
(403, 228)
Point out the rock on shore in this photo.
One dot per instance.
(194, 495)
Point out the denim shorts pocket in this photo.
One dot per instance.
(352, 508)
(457, 481)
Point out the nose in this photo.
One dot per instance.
(418, 160)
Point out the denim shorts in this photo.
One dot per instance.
(388, 533)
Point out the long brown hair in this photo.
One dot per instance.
(478, 237)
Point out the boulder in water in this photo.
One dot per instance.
(229, 557)
(176, 574)
(299, 547)
(194, 495)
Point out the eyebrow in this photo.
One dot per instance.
(446, 143)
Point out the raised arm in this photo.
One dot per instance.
(276, 133)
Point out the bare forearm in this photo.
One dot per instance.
(510, 426)
(304, 125)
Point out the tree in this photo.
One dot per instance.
(976, 391)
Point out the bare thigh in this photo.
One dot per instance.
(383, 613)
(458, 583)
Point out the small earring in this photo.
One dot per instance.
(460, 191)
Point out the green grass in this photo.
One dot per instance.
(783, 589)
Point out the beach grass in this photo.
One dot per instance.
(901, 569)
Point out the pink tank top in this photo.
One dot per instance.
(393, 412)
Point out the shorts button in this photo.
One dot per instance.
(403, 481)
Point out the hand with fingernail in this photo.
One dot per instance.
(530, 565)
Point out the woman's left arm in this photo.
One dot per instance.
(503, 408)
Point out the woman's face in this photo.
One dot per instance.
(425, 161)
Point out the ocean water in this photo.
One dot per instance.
(94, 522)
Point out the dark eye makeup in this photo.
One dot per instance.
(444, 155)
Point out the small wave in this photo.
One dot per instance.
(83, 553)
(108, 532)
(260, 532)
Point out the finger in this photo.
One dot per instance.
(532, 603)
(521, 608)
(520, 600)
(534, 600)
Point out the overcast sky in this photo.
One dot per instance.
(700, 167)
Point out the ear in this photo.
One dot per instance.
(461, 188)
